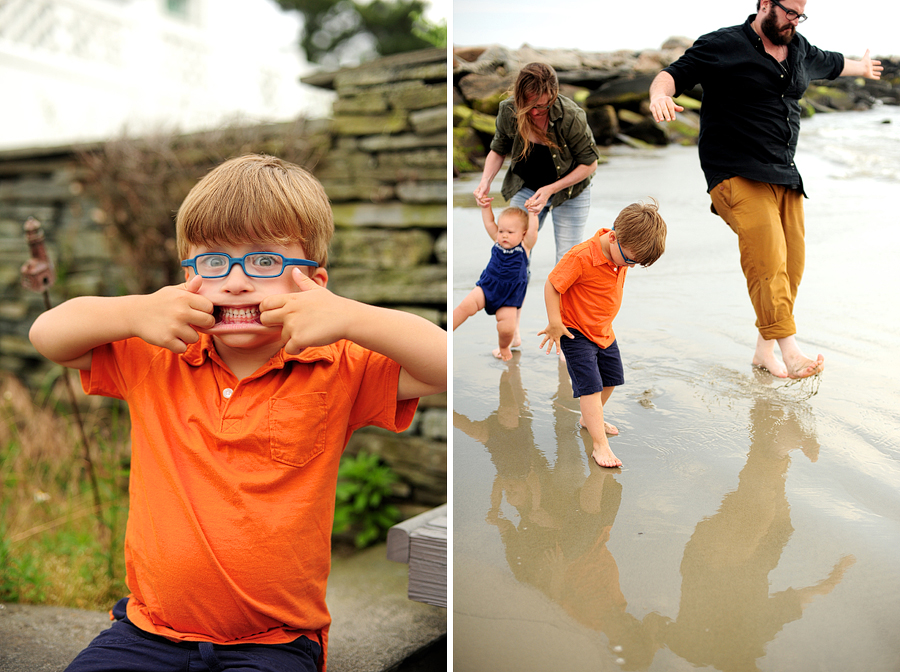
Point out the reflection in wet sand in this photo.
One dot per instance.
(565, 518)
(727, 616)
(559, 542)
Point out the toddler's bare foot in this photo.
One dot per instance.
(502, 353)
(604, 457)
(517, 340)
(803, 367)
(611, 430)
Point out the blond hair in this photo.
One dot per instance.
(257, 199)
(534, 81)
(514, 212)
(641, 229)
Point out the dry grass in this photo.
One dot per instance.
(55, 547)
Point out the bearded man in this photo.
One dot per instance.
(753, 76)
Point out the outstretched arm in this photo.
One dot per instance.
(662, 89)
(68, 333)
(531, 235)
(865, 67)
(487, 216)
(555, 330)
(315, 316)
(492, 165)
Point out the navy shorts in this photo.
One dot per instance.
(125, 647)
(591, 368)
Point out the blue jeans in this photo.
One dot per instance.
(125, 648)
(569, 218)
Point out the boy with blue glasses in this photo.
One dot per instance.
(244, 385)
(583, 294)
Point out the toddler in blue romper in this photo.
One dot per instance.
(501, 289)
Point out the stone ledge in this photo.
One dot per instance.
(375, 627)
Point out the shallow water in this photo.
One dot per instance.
(755, 524)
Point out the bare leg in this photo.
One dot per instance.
(470, 305)
(517, 337)
(610, 430)
(506, 329)
(592, 419)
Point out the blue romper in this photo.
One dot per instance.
(505, 279)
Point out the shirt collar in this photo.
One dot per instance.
(197, 353)
(556, 110)
(597, 258)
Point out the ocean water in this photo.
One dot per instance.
(755, 524)
(858, 144)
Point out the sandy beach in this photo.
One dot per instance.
(755, 524)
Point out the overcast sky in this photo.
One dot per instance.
(607, 25)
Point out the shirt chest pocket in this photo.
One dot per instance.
(297, 428)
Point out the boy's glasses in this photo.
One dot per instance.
(631, 262)
(254, 264)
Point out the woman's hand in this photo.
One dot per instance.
(539, 200)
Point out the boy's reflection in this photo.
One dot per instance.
(565, 516)
(727, 615)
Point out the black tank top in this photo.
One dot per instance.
(537, 168)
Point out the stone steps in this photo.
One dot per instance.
(375, 627)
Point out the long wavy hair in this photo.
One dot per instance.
(534, 81)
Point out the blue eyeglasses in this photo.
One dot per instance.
(628, 261)
(254, 264)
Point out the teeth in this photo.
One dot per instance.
(244, 314)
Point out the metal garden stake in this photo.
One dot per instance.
(38, 275)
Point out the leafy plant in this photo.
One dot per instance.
(364, 483)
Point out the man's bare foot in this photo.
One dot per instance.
(770, 363)
(611, 430)
(604, 457)
(502, 353)
(803, 367)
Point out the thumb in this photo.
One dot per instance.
(193, 285)
(304, 282)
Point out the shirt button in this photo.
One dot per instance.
(227, 392)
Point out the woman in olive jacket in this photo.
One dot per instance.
(553, 155)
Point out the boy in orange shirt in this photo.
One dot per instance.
(244, 385)
(583, 294)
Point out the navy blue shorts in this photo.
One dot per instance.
(125, 647)
(591, 368)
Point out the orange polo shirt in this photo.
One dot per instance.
(590, 287)
(233, 482)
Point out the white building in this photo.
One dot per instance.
(83, 70)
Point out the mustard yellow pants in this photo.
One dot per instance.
(768, 220)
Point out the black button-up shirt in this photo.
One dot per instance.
(750, 114)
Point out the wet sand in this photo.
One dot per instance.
(755, 524)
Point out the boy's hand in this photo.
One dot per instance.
(170, 317)
(311, 317)
(552, 333)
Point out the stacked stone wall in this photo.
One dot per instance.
(382, 159)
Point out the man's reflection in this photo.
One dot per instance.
(727, 616)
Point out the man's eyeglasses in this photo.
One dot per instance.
(790, 13)
(254, 264)
(630, 262)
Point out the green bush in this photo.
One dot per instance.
(364, 483)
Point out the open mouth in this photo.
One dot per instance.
(237, 315)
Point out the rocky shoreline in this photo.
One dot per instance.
(612, 87)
